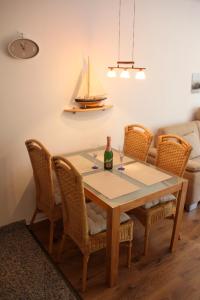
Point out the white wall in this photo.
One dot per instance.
(34, 92)
(166, 42)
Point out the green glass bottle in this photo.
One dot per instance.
(108, 155)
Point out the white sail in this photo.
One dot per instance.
(90, 87)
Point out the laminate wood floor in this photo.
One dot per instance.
(159, 276)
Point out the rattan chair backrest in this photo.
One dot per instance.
(42, 172)
(172, 154)
(73, 200)
(137, 141)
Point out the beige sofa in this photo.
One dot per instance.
(190, 131)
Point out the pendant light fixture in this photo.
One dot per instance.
(126, 66)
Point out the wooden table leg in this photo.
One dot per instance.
(113, 223)
(179, 214)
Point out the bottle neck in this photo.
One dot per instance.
(108, 146)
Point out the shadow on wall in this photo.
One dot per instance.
(5, 193)
(26, 205)
(13, 209)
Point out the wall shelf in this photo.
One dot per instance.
(78, 109)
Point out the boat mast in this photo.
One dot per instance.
(88, 77)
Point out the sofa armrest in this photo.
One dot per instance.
(193, 166)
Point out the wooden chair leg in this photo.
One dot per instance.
(146, 239)
(33, 217)
(129, 254)
(51, 236)
(179, 236)
(62, 243)
(85, 267)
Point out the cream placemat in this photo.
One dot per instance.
(110, 185)
(145, 174)
(81, 163)
(116, 159)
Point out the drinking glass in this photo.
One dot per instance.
(94, 154)
(121, 157)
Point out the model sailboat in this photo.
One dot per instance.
(87, 95)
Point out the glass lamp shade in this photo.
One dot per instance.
(111, 73)
(125, 74)
(140, 75)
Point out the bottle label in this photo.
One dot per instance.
(108, 155)
(108, 164)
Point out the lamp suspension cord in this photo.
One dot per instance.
(133, 44)
(119, 33)
(119, 37)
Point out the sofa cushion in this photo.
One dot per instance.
(97, 218)
(197, 114)
(181, 129)
(193, 139)
(152, 152)
(162, 199)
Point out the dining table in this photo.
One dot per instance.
(122, 189)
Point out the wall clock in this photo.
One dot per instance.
(23, 48)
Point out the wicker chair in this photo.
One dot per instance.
(172, 156)
(76, 219)
(137, 141)
(46, 189)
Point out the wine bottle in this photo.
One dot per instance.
(108, 155)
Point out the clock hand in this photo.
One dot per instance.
(22, 46)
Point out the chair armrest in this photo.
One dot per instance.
(193, 166)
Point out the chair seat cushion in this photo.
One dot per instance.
(97, 218)
(162, 199)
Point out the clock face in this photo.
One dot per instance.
(23, 48)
